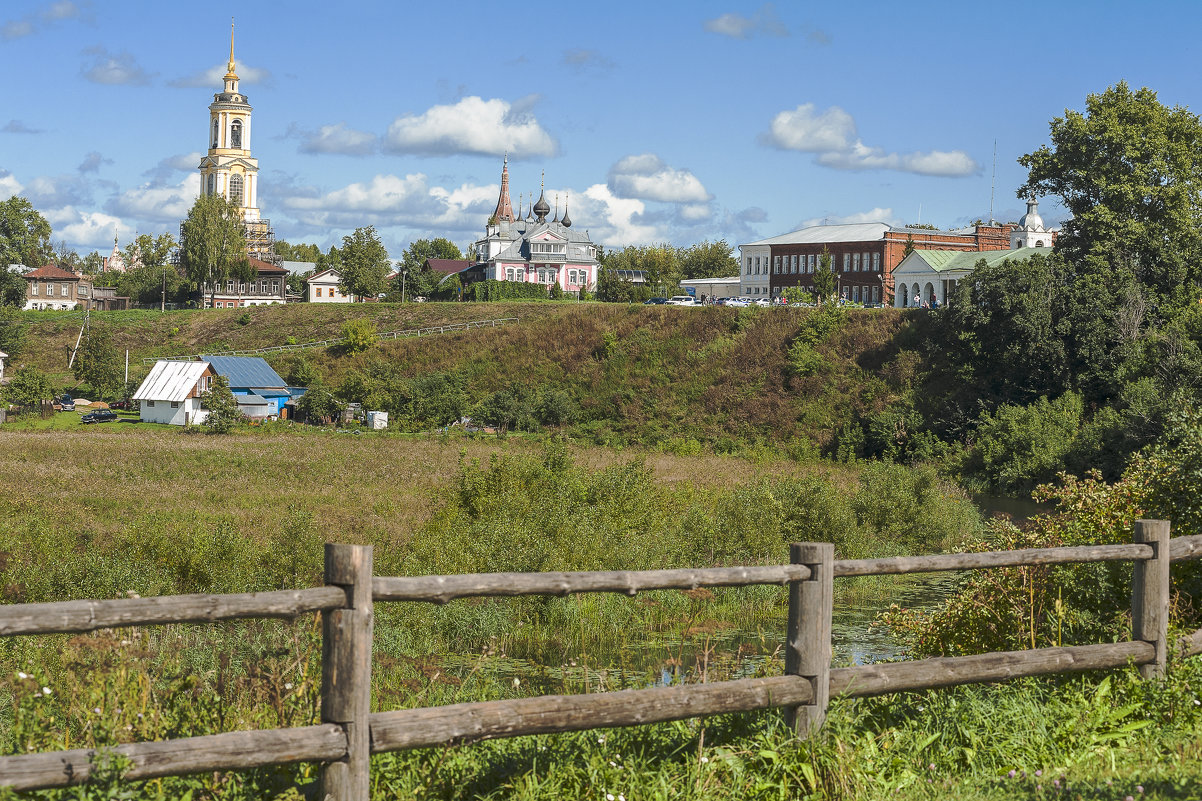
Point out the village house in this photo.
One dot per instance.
(323, 288)
(268, 287)
(259, 390)
(52, 287)
(171, 392)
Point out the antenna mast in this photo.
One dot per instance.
(993, 182)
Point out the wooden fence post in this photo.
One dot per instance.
(1150, 594)
(346, 639)
(808, 649)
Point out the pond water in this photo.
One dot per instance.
(733, 653)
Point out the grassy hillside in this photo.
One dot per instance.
(638, 374)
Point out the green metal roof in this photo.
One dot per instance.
(944, 260)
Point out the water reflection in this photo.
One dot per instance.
(722, 655)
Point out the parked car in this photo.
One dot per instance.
(655, 301)
(738, 303)
(66, 404)
(682, 300)
(124, 404)
(99, 416)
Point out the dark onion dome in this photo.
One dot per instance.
(565, 221)
(541, 208)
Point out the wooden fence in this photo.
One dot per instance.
(407, 333)
(349, 733)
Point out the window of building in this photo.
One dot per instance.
(749, 265)
(876, 265)
(855, 294)
(846, 262)
(212, 184)
(33, 288)
(876, 294)
(317, 292)
(241, 288)
(795, 262)
(215, 130)
(236, 134)
(174, 404)
(236, 190)
(275, 287)
(150, 403)
(776, 265)
(229, 285)
(855, 262)
(757, 265)
(83, 291)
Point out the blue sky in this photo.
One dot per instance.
(670, 121)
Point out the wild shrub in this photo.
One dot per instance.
(358, 335)
(222, 407)
(1017, 447)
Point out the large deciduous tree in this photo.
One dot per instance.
(365, 264)
(24, 234)
(708, 260)
(98, 362)
(149, 278)
(1129, 170)
(214, 244)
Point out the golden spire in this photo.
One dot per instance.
(230, 66)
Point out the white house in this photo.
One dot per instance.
(928, 277)
(171, 392)
(323, 288)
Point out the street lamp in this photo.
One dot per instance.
(404, 275)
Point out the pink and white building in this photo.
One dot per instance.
(535, 249)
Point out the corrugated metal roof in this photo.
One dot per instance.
(246, 372)
(848, 232)
(170, 381)
(942, 261)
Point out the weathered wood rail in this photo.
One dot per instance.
(349, 733)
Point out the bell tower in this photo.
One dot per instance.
(228, 168)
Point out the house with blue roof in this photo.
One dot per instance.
(259, 390)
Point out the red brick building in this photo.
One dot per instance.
(863, 256)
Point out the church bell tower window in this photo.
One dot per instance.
(236, 190)
(236, 134)
(212, 184)
(215, 130)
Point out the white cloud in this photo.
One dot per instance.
(9, 185)
(115, 69)
(832, 135)
(392, 201)
(614, 221)
(214, 76)
(30, 23)
(92, 162)
(873, 215)
(764, 21)
(338, 139)
(647, 177)
(157, 203)
(810, 132)
(473, 125)
(18, 127)
(581, 59)
(87, 230)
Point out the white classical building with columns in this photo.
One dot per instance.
(927, 278)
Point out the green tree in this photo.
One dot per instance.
(1129, 170)
(214, 244)
(98, 362)
(222, 407)
(416, 254)
(365, 263)
(319, 403)
(24, 234)
(824, 278)
(149, 251)
(93, 263)
(12, 288)
(12, 331)
(708, 260)
(298, 252)
(29, 386)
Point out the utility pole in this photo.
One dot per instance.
(163, 305)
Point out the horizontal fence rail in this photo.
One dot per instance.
(407, 333)
(349, 734)
(442, 589)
